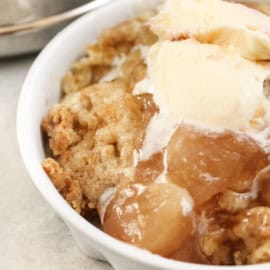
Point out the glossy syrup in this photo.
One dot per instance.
(177, 181)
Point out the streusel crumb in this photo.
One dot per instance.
(92, 131)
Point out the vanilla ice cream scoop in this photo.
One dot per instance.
(204, 83)
(231, 25)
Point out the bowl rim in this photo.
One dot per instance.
(57, 202)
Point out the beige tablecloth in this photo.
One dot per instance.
(31, 235)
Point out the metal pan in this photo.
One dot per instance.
(36, 22)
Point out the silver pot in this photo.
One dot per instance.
(27, 25)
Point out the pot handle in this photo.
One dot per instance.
(55, 19)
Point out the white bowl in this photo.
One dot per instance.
(40, 91)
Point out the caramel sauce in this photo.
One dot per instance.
(150, 217)
(206, 162)
(161, 217)
(149, 108)
(147, 171)
(190, 252)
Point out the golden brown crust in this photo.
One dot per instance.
(67, 186)
(92, 131)
(94, 135)
(113, 42)
(59, 126)
(133, 69)
(237, 233)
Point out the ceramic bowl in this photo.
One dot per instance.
(40, 91)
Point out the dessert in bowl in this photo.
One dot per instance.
(161, 131)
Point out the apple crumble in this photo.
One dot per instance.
(163, 130)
